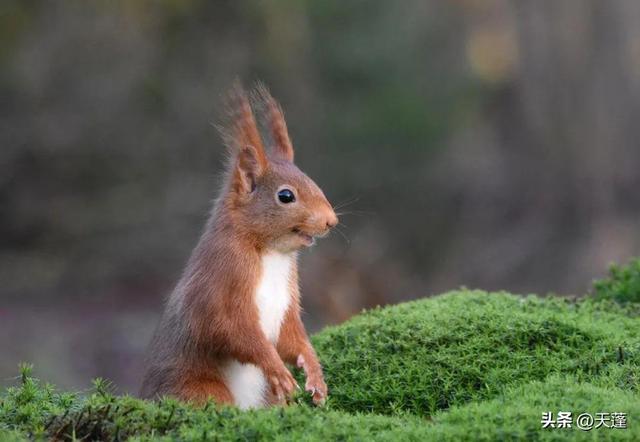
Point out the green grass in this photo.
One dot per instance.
(466, 365)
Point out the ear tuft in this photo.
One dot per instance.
(242, 137)
(241, 129)
(282, 147)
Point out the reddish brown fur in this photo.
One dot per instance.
(211, 316)
(277, 124)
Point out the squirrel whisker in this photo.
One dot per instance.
(346, 203)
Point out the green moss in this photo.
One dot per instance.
(428, 355)
(622, 285)
(517, 414)
(464, 365)
(35, 411)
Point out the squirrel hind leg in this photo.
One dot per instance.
(198, 390)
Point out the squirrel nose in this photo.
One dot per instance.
(332, 219)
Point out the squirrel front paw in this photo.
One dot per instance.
(318, 389)
(315, 381)
(281, 382)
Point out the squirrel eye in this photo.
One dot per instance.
(286, 196)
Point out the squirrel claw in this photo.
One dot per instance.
(318, 398)
(318, 394)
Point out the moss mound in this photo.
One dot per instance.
(516, 415)
(622, 285)
(467, 365)
(428, 355)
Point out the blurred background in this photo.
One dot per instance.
(485, 143)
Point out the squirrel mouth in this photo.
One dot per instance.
(307, 240)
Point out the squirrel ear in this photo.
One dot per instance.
(241, 130)
(247, 170)
(242, 138)
(275, 120)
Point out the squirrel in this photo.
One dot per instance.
(233, 320)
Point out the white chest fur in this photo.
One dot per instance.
(272, 297)
(273, 294)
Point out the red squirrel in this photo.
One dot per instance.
(233, 320)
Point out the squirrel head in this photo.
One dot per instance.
(268, 197)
